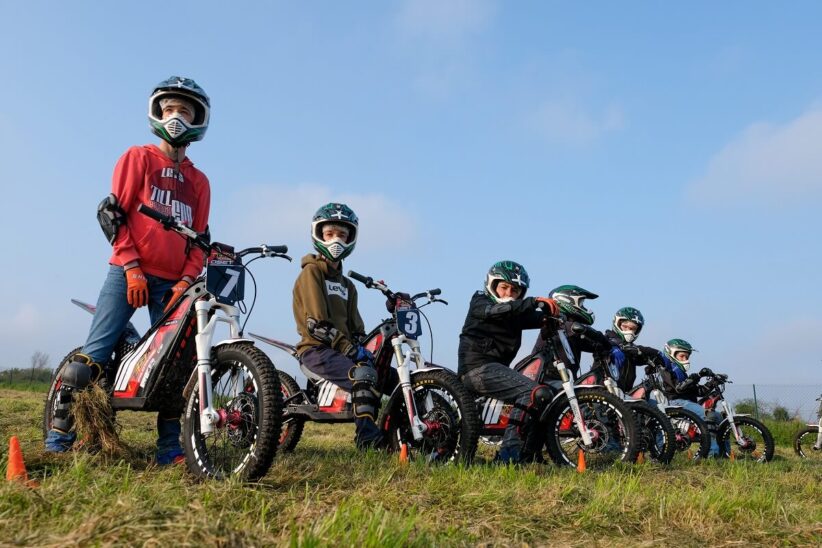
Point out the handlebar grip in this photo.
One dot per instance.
(360, 278)
(154, 214)
(435, 292)
(278, 248)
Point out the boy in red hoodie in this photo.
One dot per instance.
(147, 262)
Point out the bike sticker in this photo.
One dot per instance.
(408, 321)
(226, 281)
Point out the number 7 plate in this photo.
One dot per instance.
(226, 281)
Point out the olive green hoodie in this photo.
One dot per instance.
(323, 293)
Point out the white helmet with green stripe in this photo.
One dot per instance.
(335, 249)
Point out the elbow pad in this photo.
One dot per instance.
(498, 309)
(322, 331)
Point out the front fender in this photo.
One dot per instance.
(231, 341)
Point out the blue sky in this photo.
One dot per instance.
(665, 157)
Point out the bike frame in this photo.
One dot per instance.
(818, 425)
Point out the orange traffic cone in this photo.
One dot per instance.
(732, 456)
(640, 458)
(16, 470)
(404, 453)
(581, 461)
(690, 454)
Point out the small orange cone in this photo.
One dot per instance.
(404, 453)
(16, 470)
(732, 456)
(690, 454)
(581, 461)
(640, 458)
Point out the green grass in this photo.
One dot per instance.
(328, 493)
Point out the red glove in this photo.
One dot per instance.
(137, 292)
(551, 307)
(176, 292)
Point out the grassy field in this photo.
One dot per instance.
(328, 493)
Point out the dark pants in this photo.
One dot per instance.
(333, 366)
(500, 382)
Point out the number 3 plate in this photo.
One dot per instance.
(226, 281)
(408, 322)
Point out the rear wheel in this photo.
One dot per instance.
(292, 429)
(692, 436)
(609, 422)
(755, 442)
(655, 433)
(248, 402)
(448, 411)
(807, 445)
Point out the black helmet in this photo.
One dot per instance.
(506, 271)
(338, 214)
(571, 299)
(175, 130)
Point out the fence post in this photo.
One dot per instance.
(756, 404)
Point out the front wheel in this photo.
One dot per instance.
(755, 440)
(655, 433)
(248, 402)
(609, 422)
(446, 409)
(292, 427)
(807, 443)
(691, 433)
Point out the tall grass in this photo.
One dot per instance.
(328, 493)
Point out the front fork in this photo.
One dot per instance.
(729, 414)
(404, 360)
(570, 393)
(203, 340)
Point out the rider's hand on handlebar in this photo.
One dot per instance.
(551, 307)
(176, 292)
(391, 304)
(137, 287)
(706, 372)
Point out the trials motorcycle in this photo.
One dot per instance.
(230, 390)
(429, 412)
(580, 419)
(808, 442)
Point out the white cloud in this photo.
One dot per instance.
(282, 214)
(767, 164)
(568, 121)
(436, 36)
(444, 21)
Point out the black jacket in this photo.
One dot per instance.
(591, 341)
(493, 331)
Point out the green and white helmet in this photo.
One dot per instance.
(337, 214)
(628, 313)
(506, 271)
(571, 299)
(175, 130)
(674, 346)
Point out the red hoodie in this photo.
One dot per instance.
(144, 175)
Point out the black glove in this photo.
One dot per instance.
(706, 372)
(685, 385)
(694, 377)
(391, 304)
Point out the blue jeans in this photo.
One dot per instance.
(114, 312)
(109, 322)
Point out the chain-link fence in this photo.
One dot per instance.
(776, 401)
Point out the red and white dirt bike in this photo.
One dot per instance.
(739, 436)
(229, 389)
(808, 442)
(429, 411)
(579, 419)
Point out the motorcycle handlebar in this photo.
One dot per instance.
(156, 215)
(366, 280)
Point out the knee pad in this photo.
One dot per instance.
(541, 396)
(364, 394)
(77, 375)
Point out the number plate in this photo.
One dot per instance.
(408, 322)
(226, 281)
